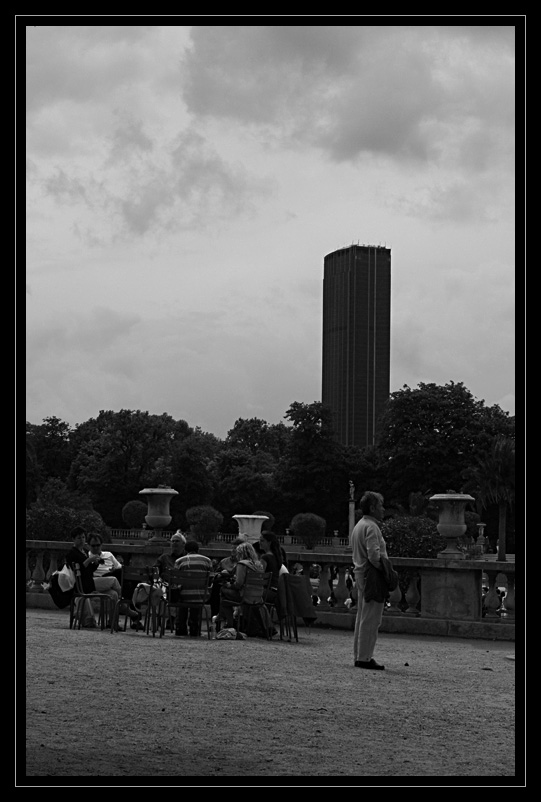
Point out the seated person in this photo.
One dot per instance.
(104, 566)
(168, 559)
(272, 560)
(224, 571)
(232, 591)
(191, 561)
(78, 555)
(165, 561)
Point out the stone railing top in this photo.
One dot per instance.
(293, 555)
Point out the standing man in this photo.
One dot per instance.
(368, 546)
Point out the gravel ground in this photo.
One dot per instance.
(128, 705)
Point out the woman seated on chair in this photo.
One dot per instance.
(78, 555)
(232, 591)
(224, 572)
(272, 560)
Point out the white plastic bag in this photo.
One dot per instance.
(66, 579)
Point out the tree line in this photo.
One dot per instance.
(430, 439)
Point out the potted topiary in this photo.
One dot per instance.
(204, 522)
(308, 527)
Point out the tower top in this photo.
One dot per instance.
(358, 245)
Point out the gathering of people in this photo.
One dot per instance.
(100, 572)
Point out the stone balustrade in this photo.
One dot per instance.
(435, 596)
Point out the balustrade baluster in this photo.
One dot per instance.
(324, 589)
(394, 600)
(509, 601)
(413, 597)
(53, 565)
(38, 575)
(306, 575)
(341, 592)
(28, 571)
(492, 600)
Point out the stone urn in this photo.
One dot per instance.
(250, 525)
(158, 500)
(452, 524)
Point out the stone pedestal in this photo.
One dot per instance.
(452, 595)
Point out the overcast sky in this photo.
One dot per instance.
(185, 183)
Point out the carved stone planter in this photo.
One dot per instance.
(158, 500)
(452, 523)
(250, 525)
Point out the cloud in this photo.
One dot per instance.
(81, 63)
(395, 92)
(142, 187)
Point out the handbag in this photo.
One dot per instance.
(66, 579)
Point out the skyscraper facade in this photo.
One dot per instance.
(356, 339)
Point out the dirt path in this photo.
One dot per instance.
(128, 705)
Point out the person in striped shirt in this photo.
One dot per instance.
(192, 561)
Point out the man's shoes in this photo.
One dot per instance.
(89, 624)
(181, 632)
(369, 664)
(137, 625)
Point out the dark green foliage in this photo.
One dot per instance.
(121, 453)
(309, 528)
(204, 522)
(266, 524)
(412, 536)
(53, 522)
(491, 478)
(430, 435)
(134, 513)
(429, 439)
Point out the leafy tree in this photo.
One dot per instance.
(268, 525)
(255, 435)
(312, 476)
(56, 493)
(33, 473)
(430, 435)
(193, 473)
(309, 527)
(204, 522)
(123, 452)
(134, 514)
(492, 480)
(49, 453)
(55, 522)
(244, 480)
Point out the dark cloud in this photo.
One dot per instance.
(403, 92)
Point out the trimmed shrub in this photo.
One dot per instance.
(309, 527)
